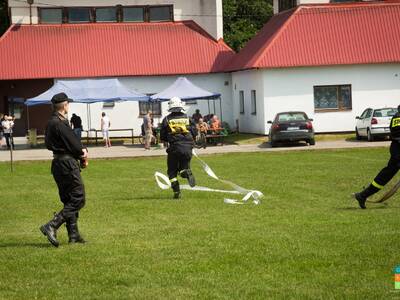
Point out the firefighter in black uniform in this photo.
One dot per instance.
(178, 130)
(69, 156)
(393, 166)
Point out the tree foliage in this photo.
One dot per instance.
(243, 19)
(3, 16)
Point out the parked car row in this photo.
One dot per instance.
(296, 126)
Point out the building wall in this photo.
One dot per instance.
(247, 81)
(207, 13)
(37, 116)
(292, 89)
(126, 114)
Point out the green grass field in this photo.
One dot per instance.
(307, 240)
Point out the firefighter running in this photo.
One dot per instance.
(393, 166)
(178, 130)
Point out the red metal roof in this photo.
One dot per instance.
(331, 34)
(97, 50)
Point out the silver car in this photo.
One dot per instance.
(374, 123)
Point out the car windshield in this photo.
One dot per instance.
(385, 112)
(289, 117)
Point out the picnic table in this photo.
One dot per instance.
(215, 136)
(97, 136)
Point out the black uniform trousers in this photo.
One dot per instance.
(178, 160)
(393, 166)
(67, 174)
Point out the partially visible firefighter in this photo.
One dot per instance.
(393, 166)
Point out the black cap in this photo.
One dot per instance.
(60, 97)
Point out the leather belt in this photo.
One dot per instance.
(63, 156)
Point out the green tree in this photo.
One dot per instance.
(3, 16)
(243, 19)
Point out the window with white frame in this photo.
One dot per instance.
(241, 102)
(253, 102)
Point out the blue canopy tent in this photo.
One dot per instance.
(186, 90)
(88, 91)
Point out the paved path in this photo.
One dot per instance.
(123, 151)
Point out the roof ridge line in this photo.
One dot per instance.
(278, 34)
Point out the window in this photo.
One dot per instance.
(51, 15)
(110, 104)
(107, 14)
(133, 14)
(191, 102)
(154, 107)
(332, 97)
(148, 13)
(286, 4)
(253, 102)
(241, 102)
(160, 13)
(79, 15)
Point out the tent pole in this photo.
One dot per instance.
(208, 101)
(215, 112)
(220, 106)
(27, 116)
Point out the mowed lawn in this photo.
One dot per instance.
(307, 239)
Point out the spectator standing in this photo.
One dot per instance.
(8, 124)
(148, 130)
(197, 116)
(105, 126)
(76, 123)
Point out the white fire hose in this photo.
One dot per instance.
(164, 184)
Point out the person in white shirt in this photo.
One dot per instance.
(105, 126)
(7, 124)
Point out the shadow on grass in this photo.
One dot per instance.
(283, 145)
(146, 198)
(26, 245)
(381, 206)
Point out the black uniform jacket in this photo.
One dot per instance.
(395, 127)
(60, 137)
(178, 130)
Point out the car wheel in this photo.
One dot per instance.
(370, 136)
(311, 142)
(358, 136)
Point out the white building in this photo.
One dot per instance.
(331, 61)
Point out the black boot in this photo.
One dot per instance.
(50, 229)
(73, 232)
(189, 176)
(362, 196)
(176, 189)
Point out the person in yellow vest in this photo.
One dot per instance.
(178, 130)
